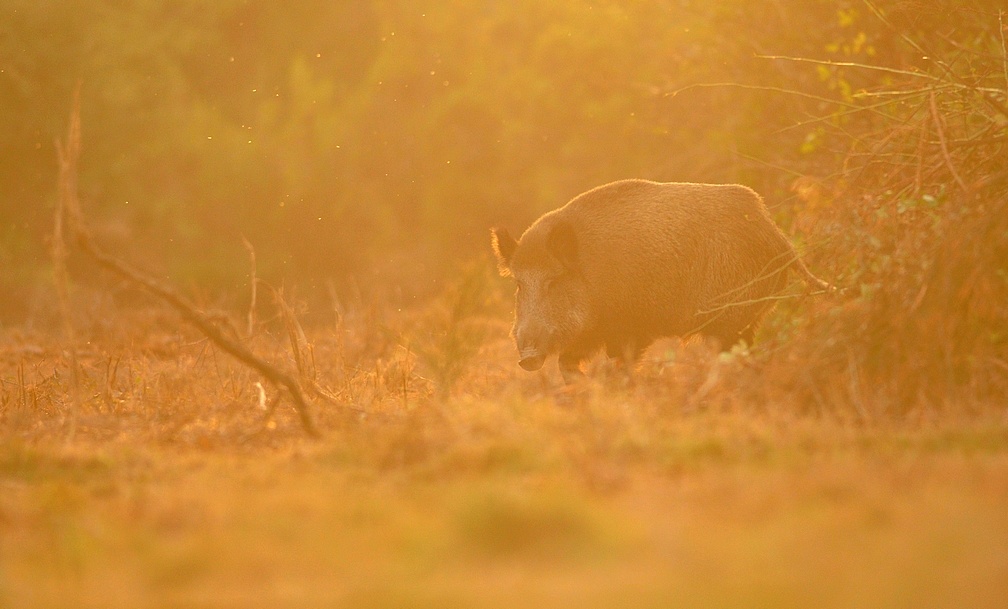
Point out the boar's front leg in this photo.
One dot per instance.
(570, 365)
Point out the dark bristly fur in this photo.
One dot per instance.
(631, 261)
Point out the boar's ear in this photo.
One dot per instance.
(504, 247)
(562, 243)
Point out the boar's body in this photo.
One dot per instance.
(634, 260)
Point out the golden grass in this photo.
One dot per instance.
(702, 480)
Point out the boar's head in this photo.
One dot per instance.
(551, 302)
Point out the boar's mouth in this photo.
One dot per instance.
(531, 360)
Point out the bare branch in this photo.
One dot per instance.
(1004, 48)
(851, 64)
(69, 217)
(881, 17)
(205, 325)
(250, 325)
(752, 301)
(709, 85)
(939, 129)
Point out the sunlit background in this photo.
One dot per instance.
(378, 141)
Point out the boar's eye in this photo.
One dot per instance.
(551, 282)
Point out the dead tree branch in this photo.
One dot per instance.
(205, 325)
(67, 215)
(75, 231)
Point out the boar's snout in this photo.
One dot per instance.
(531, 359)
(530, 341)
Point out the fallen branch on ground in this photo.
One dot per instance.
(71, 228)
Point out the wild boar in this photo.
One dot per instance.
(632, 261)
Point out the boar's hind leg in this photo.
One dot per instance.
(628, 351)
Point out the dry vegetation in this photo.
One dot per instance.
(447, 477)
(855, 456)
(796, 474)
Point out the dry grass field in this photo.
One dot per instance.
(448, 477)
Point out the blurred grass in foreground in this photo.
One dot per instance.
(503, 491)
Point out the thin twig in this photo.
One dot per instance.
(918, 174)
(65, 217)
(851, 111)
(902, 93)
(296, 336)
(751, 301)
(949, 72)
(708, 85)
(881, 17)
(250, 325)
(304, 355)
(944, 147)
(852, 64)
(1004, 48)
